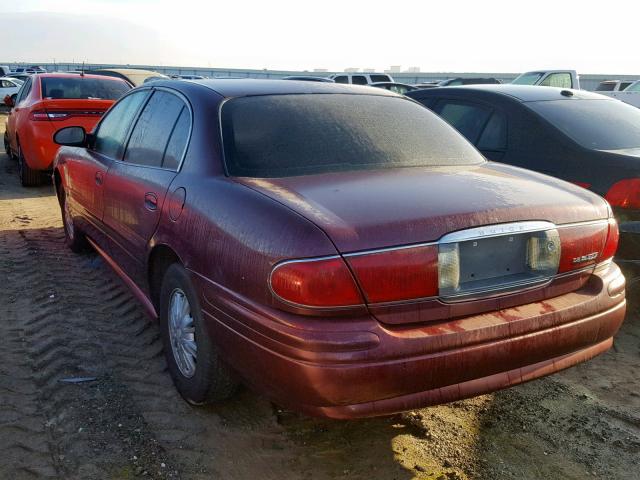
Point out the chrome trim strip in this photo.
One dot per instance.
(604, 221)
(389, 249)
(497, 230)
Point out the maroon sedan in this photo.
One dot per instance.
(339, 248)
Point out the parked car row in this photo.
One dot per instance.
(347, 251)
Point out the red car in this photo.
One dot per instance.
(339, 248)
(44, 104)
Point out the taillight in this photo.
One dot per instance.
(319, 283)
(58, 115)
(38, 115)
(625, 193)
(398, 274)
(612, 241)
(461, 265)
(581, 245)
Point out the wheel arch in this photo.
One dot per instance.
(160, 258)
(58, 184)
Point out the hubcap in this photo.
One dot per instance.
(68, 219)
(182, 333)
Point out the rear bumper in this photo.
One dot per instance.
(347, 368)
(628, 255)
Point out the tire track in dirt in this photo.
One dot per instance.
(78, 320)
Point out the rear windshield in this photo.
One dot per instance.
(82, 87)
(288, 135)
(594, 124)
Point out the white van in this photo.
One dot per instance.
(360, 78)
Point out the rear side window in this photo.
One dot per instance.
(359, 80)
(605, 87)
(341, 79)
(83, 87)
(178, 141)
(151, 133)
(469, 119)
(624, 85)
(380, 78)
(112, 130)
(290, 135)
(24, 90)
(494, 136)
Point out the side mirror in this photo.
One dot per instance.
(10, 100)
(71, 137)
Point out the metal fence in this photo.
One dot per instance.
(587, 81)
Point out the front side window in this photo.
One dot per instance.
(112, 130)
(153, 128)
(594, 124)
(530, 78)
(83, 87)
(469, 119)
(289, 135)
(633, 88)
(560, 80)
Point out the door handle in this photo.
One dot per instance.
(150, 201)
(99, 178)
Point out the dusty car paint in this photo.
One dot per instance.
(361, 360)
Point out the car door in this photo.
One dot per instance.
(87, 168)
(135, 188)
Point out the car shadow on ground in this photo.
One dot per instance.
(10, 169)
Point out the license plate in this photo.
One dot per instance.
(497, 262)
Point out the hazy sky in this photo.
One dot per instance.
(482, 36)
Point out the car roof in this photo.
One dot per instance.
(128, 71)
(522, 93)
(74, 75)
(249, 86)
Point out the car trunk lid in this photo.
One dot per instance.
(366, 210)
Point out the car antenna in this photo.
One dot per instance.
(82, 69)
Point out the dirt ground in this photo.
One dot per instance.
(65, 316)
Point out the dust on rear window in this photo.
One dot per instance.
(302, 134)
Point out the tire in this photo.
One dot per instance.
(28, 176)
(73, 237)
(7, 147)
(194, 362)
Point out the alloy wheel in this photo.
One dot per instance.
(182, 333)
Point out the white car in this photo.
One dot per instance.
(361, 78)
(9, 86)
(630, 95)
(550, 78)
